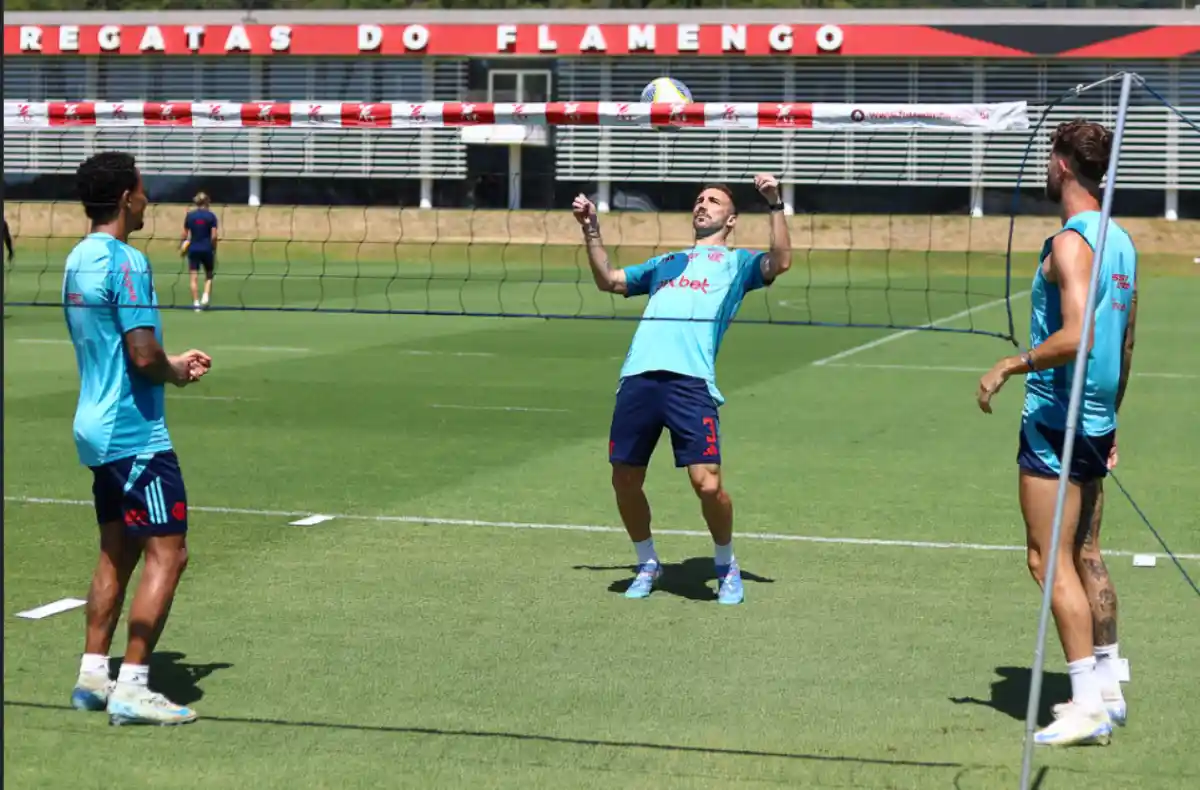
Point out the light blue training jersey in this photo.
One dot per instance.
(698, 292)
(1048, 392)
(108, 290)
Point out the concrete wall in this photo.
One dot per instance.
(458, 226)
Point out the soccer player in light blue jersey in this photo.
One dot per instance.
(669, 376)
(1083, 600)
(111, 311)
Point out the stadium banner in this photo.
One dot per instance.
(547, 40)
(1000, 116)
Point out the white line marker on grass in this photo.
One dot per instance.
(265, 349)
(493, 408)
(57, 607)
(879, 341)
(963, 369)
(420, 352)
(467, 522)
(310, 521)
(44, 341)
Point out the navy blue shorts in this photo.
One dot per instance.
(649, 402)
(206, 258)
(145, 491)
(1041, 451)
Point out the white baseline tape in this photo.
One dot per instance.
(879, 341)
(466, 522)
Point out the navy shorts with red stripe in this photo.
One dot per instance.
(649, 402)
(146, 492)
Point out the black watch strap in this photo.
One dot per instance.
(777, 206)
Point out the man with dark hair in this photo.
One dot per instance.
(1083, 600)
(121, 434)
(669, 376)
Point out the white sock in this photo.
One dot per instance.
(723, 554)
(645, 551)
(204, 299)
(1107, 657)
(94, 664)
(134, 675)
(1085, 684)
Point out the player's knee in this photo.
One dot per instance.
(705, 482)
(627, 479)
(1037, 568)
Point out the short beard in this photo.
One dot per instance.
(1054, 191)
(704, 233)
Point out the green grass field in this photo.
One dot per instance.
(460, 624)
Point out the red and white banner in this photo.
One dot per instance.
(350, 115)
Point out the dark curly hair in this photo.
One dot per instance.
(1085, 145)
(101, 180)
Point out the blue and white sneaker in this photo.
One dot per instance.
(1077, 727)
(140, 705)
(729, 579)
(91, 692)
(647, 574)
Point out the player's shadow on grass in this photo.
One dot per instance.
(1010, 694)
(691, 579)
(174, 677)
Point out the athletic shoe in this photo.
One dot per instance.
(647, 574)
(1077, 727)
(91, 692)
(729, 590)
(139, 705)
(1118, 711)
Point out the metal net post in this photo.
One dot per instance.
(1073, 408)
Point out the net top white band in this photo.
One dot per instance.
(993, 117)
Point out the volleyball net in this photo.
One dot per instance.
(429, 254)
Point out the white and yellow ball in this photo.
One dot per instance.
(665, 90)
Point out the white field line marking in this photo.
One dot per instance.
(465, 522)
(265, 349)
(493, 408)
(906, 332)
(957, 369)
(211, 397)
(416, 352)
(56, 607)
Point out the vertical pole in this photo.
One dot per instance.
(254, 161)
(978, 149)
(1073, 408)
(428, 80)
(603, 185)
(604, 196)
(789, 198)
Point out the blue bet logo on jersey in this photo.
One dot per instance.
(694, 296)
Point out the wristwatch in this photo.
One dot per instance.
(776, 206)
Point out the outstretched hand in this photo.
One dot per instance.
(767, 186)
(584, 211)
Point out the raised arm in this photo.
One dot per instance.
(779, 254)
(607, 278)
(1070, 266)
